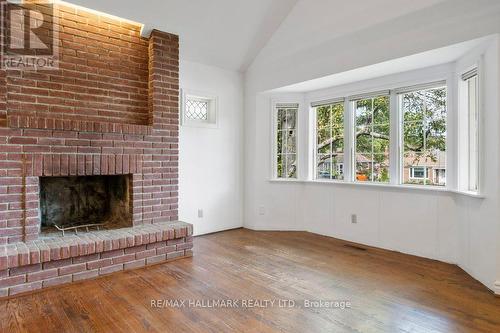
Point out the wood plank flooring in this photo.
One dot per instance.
(389, 292)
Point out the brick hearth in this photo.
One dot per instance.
(52, 261)
(111, 108)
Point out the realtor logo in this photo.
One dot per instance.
(29, 35)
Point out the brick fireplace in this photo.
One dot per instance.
(111, 109)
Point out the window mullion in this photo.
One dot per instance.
(348, 141)
(424, 126)
(371, 134)
(330, 135)
(395, 136)
(285, 139)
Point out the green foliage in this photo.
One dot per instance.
(424, 131)
(330, 139)
(425, 121)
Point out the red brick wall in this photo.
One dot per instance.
(3, 87)
(102, 75)
(113, 121)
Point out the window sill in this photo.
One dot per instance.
(286, 180)
(377, 185)
(469, 194)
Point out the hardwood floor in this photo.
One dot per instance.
(389, 292)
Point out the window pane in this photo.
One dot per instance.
(323, 116)
(337, 140)
(286, 143)
(435, 104)
(291, 144)
(337, 115)
(381, 168)
(330, 141)
(380, 136)
(196, 109)
(363, 167)
(413, 136)
(281, 119)
(413, 107)
(435, 161)
(372, 139)
(436, 139)
(381, 110)
(424, 137)
(280, 167)
(364, 141)
(280, 140)
(473, 146)
(323, 137)
(291, 118)
(291, 166)
(414, 168)
(364, 112)
(324, 166)
(338, 166)
(330, 166)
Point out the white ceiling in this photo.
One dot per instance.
(223, 33)
(431, 58)
(233, 34)
(312, 22)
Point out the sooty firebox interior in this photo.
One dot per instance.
(74, 201)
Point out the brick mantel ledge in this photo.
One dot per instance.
(44, 250)
(33, 122)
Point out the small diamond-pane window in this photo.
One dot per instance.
(196, 109)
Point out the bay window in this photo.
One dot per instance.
(396, 137)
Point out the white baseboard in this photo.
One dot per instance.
(267, 228)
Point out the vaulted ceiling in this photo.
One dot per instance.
(233, 34)
(223, 33)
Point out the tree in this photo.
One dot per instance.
(424, 131)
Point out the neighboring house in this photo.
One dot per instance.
(417, 169)
(331, 169)
(420, 169)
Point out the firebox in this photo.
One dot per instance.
(80, 203)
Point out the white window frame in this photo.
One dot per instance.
(212, 112)
(401, 91)
(464, 146)
(274, 153)
(352, 109)
(315, 138)
(396, 165)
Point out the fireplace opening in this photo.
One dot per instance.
(75, 204)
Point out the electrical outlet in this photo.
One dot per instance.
(200, 213)
(262, 210)
(354, 218)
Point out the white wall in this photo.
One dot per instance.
(210, 160)
(443, 226)
(479, 220)
(414, 221)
